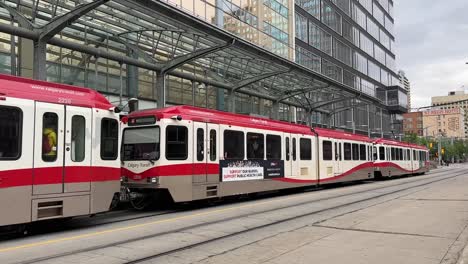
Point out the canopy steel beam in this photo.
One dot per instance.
(48, 31)
(248, 81)
(183, 59)
(341, 109)
(293, 93)
(20, 18)
(331, 102)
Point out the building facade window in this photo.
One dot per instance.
(331, 18)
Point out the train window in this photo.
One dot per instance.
(401, 154)
(408, 154)
(327, 150)
(393, 154)
(10, 132)
(255, 146)
(336, 151)
(212, 145)
(415, 157)
(109, 139)
(347, 151)
(49, 137)
(374, 153)
(176, 143)
(78, 137)
(362, 152)
(339, 152)
(306, 149)
(398, 154)
(287, 149)
(381, 153)
(355, 151)
(200, 144)
(233, 144)
(294, 149)
(141, 143)
(273, 146)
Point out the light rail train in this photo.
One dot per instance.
(193, 153)
(63, 153)
(59, 151)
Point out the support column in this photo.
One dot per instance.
(220, 103)
(381, 123)
(132, 76)
(231, 101)
(26, 58)
(275, 111)
(40, 59)
(368, 122)
(194, 86)
(161, 89)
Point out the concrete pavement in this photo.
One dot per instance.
(420, 219)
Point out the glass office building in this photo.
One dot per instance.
(352, 42)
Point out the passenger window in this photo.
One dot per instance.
(339, 152)
(287, 149)
(176, 143)
(362, 152)
(347, 151)
(200, 144)
(415, 157)
(233, 144)
(355, 151)
(213, 145)
(273, 146)
(109, 139)
(49, 137)
(294, 149)
(393, 154)
(306, 149)
(78, 137)
(401, 154)
(381, 153)
(336, 151)
(408, 154)
(255, 146)
(10, 132)
(327, 150)
(374, 156)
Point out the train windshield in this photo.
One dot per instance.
(141, 143)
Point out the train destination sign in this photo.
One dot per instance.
(245, 170)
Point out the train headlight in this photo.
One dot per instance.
(153, 179)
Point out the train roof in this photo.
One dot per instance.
(399, 144)
(226, 118)
(23, 88)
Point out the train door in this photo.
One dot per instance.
(199, 153)
(49, 148)
(77, 158)
(212, 153)
(295, 156)
(338, 157)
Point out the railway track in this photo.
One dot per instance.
(130, 215)
(417, 183)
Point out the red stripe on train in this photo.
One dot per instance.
(173, 170)
(42, 176)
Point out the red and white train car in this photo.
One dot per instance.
(394, 158)
(59, 154)
(195, 153)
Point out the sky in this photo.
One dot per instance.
(432, 46)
